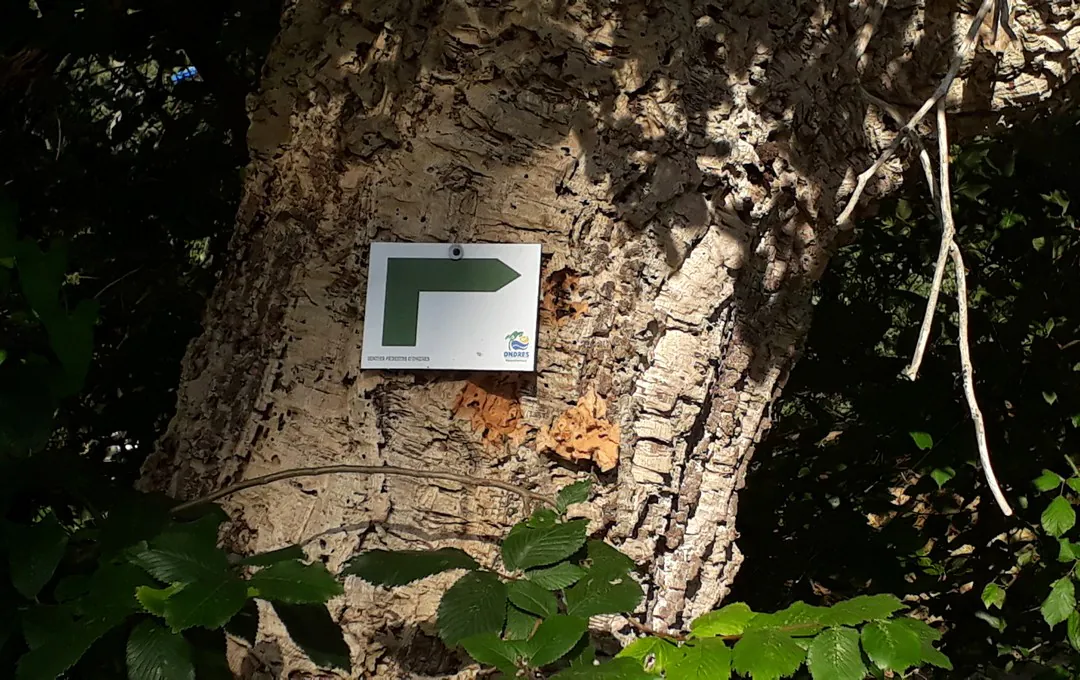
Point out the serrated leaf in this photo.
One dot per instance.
(314, 631)
(863, 608)
(993, 595)
(290, 552)
(767, 654)
(608, 559)
(798, 620)
(1067, 550)
(578, 492)
(52, 657)
(153, 599)
(1048, 480)
(489, 649)
(156, 653)
(519, 625)
(834, 655)
(398, 567)
(544, 517)
(942, 475)
(34, 552)
(554, 638)
(922, 630)
(112, 591)
(923, 440)
(655, 654)
(728, 620)
(525, 547)
(295, 582)
(208, 603)
(1058, 517)
(531, 597)
(603, 593)
(556, 577)
(891, 646)
(475, 604)
(706, 659)
(1072, 629)
(616, 669)
(1060, 602)
(181, 557)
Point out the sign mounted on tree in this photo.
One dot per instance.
(452, 307)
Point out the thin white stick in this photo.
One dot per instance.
(948, 231)
(866, 32)
(942, 89)
(967, 367)
(969, 382)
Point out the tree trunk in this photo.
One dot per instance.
(681, 163)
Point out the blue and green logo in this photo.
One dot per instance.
(517, 347)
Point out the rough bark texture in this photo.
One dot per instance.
(682, 164)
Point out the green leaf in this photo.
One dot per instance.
(1072, 629)
(554, 638)
(34, 552)
(42, 622)
(1060, 602)
(489, 649)
(1067, 550)
(208, 603)
(616, 669)
(532, 598)
(156, 653)
(1048, 480)
(707, 659)
(398, 567)
(655, 654)
(927, 636)
(60, 652)
(313, 630)
(863, 608)
(608, 559)
(181, 557)
(525, 547)
(112, 592)
(475, 604)
(290, 552)
(1074, 483)
(923, 440)
(556, 577)
(834, 655)
(544, 517)
(153, 599)
(942, 475)
(728, 620)
(1049, 397)
(798, 620)
(903, 209)
(993, 595)
(767, 654)
(1038, 243)
(603, 593)
(295, 582)
(519, 625)
(71, 587)
(1058, 517)
(891, 646)
(578, 492)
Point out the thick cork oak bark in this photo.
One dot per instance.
(682, 164)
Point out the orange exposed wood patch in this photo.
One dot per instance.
(583, 433)
(558, 305)
(491, 405)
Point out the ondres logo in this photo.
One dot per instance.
(517, 347)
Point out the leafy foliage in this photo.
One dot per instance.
(522, 625)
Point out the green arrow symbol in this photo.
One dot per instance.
(407, 277)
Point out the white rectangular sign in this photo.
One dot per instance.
(441, 306)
